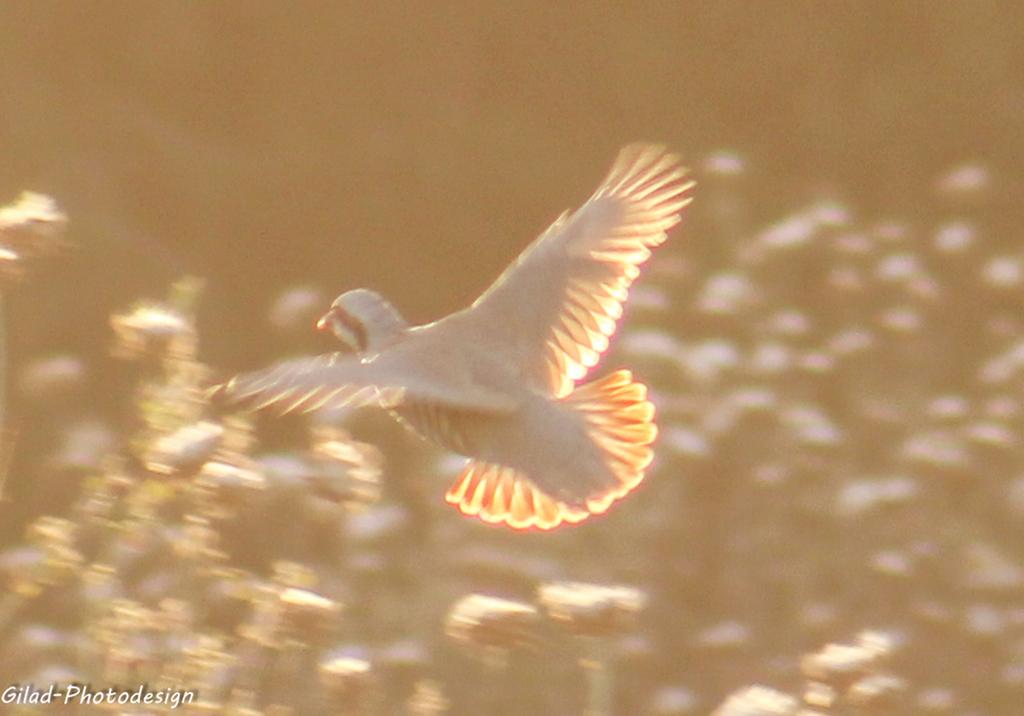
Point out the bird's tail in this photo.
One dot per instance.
(618, 419)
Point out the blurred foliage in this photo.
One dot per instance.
(833, 338)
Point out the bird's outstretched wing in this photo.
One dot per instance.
(554, 309)
(337, 380)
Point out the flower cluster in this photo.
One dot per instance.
(839, 409)
(31, 227)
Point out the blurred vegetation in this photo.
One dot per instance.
(833, 339)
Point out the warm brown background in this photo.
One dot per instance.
(414, 148)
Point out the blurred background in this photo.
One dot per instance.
(833, 337)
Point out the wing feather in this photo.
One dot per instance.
(555, 308)
(340, 380)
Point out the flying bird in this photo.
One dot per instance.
(500, 381)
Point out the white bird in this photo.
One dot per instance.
(498, 381)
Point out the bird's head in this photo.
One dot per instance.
(363, 321)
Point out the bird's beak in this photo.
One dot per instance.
(324, 324)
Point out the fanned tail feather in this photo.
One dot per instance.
(620, 421)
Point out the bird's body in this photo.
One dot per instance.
(539, 437)
(497, 381)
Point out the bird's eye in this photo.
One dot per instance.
(354, 326)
